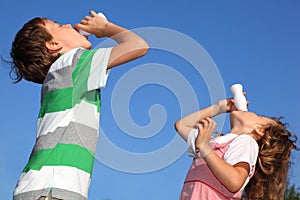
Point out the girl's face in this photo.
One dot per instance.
(245, 122)
(66, 36)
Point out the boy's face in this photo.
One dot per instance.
(66, 36)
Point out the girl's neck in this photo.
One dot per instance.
(242, 130)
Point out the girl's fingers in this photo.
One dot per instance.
(200, 129)
(205, 120)
(204, 123)
(213, 125)
(207, 124)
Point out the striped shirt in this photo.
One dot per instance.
(67, 130)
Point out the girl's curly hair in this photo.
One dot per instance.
(270, 177)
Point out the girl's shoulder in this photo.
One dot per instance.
(224, 138)
(233, 137)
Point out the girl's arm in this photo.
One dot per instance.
(232, 177)
(130, 46)
(187, 123)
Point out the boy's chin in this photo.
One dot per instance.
(87, 46)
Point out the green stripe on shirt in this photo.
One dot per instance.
(85, 60)
(66, 98)
(57, 100)
(63, 99)
(62, 155)
(81, 72)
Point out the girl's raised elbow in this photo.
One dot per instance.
(178, 125)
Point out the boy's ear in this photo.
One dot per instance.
(53, 46)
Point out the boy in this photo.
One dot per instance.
(58, 57)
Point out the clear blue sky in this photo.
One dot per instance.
(197, 50)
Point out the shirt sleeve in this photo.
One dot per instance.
(242, 149)
(191, 142)
(98, 70)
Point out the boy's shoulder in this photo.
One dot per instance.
(66, 59)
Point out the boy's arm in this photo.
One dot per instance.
(130, 46)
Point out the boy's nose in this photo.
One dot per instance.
(68, 25)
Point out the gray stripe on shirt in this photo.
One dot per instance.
(61, 78)
(75, 133)
(56, 193)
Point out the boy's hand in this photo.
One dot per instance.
(205, 127)
(93, 24)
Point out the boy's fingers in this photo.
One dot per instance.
(87, 18)
(78, 26)
(84, 22)
(93, 13)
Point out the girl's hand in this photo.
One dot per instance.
(93, 24)
(205, 127)
(227, 105)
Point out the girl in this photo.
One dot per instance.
(223, 166)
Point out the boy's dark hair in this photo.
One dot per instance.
(31, 57)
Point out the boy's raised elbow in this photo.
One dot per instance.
(143, 47)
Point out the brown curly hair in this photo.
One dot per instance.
(31, 57)
(270, 177)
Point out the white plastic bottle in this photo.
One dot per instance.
(88, 34)
(240, 101)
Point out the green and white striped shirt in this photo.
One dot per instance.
(67, 131)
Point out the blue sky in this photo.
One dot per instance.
(198, 49)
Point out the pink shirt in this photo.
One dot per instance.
(200, 182)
